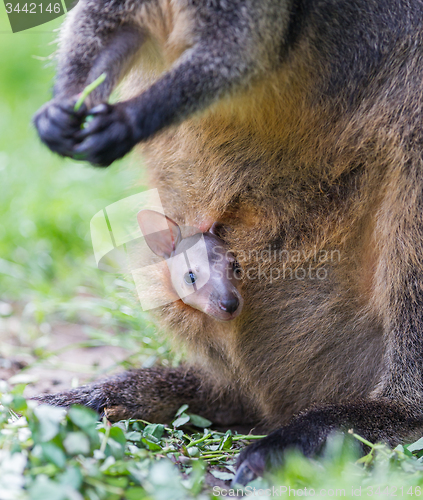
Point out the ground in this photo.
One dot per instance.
(69, 363)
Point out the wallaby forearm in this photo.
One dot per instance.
(113, 60)
(218, 60)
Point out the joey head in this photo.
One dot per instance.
(204, 273)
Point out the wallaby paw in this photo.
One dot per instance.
(306, 433)
(254, 459)
(86, 396)
(108, 136)
(57, 124)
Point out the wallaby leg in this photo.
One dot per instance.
(393, 411)
(155, 395)
(374, 420)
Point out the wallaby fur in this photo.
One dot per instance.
(297, 123)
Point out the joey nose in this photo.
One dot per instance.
(229, 305)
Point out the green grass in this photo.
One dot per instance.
(45, 453)
(47, 270)
(46, 203)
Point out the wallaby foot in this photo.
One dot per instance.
(155, 394)
(374, 420)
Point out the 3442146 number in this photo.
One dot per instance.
(33, 8)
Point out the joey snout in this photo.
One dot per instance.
(223, 307)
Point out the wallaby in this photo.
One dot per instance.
(298, 124)
(206, 279)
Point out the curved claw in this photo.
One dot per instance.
(87, 395)
(244, 475)
(101, 109)
(251, 464)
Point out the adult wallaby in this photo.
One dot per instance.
(298, 124)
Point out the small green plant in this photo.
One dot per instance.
(48, 453)
(87, 91)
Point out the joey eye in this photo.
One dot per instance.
(236, 269)
(190, 278)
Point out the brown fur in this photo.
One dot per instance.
(189, 166)
(294, 162)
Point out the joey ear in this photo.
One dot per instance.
(216, 229)
(161, 233)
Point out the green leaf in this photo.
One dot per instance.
(118, 435)
(224, 476)
(155, 430)
(49, 419)
(150, 445)
(76, 443)
(181, 410)
(193, 451)
(135, 493)
(71, 477)
(19, 403)
(44, 488)
(18, 389)
(199, 421)
(119, 482)
(178, 434)
(115, 449)
(54, 454)
(83, 417)
(165, 483)
(416, 446)
(116, 442)
(133, 436)
(182, 420)
(226, 443)
(196, 477)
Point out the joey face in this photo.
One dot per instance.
(206, 279)
(203, 272)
